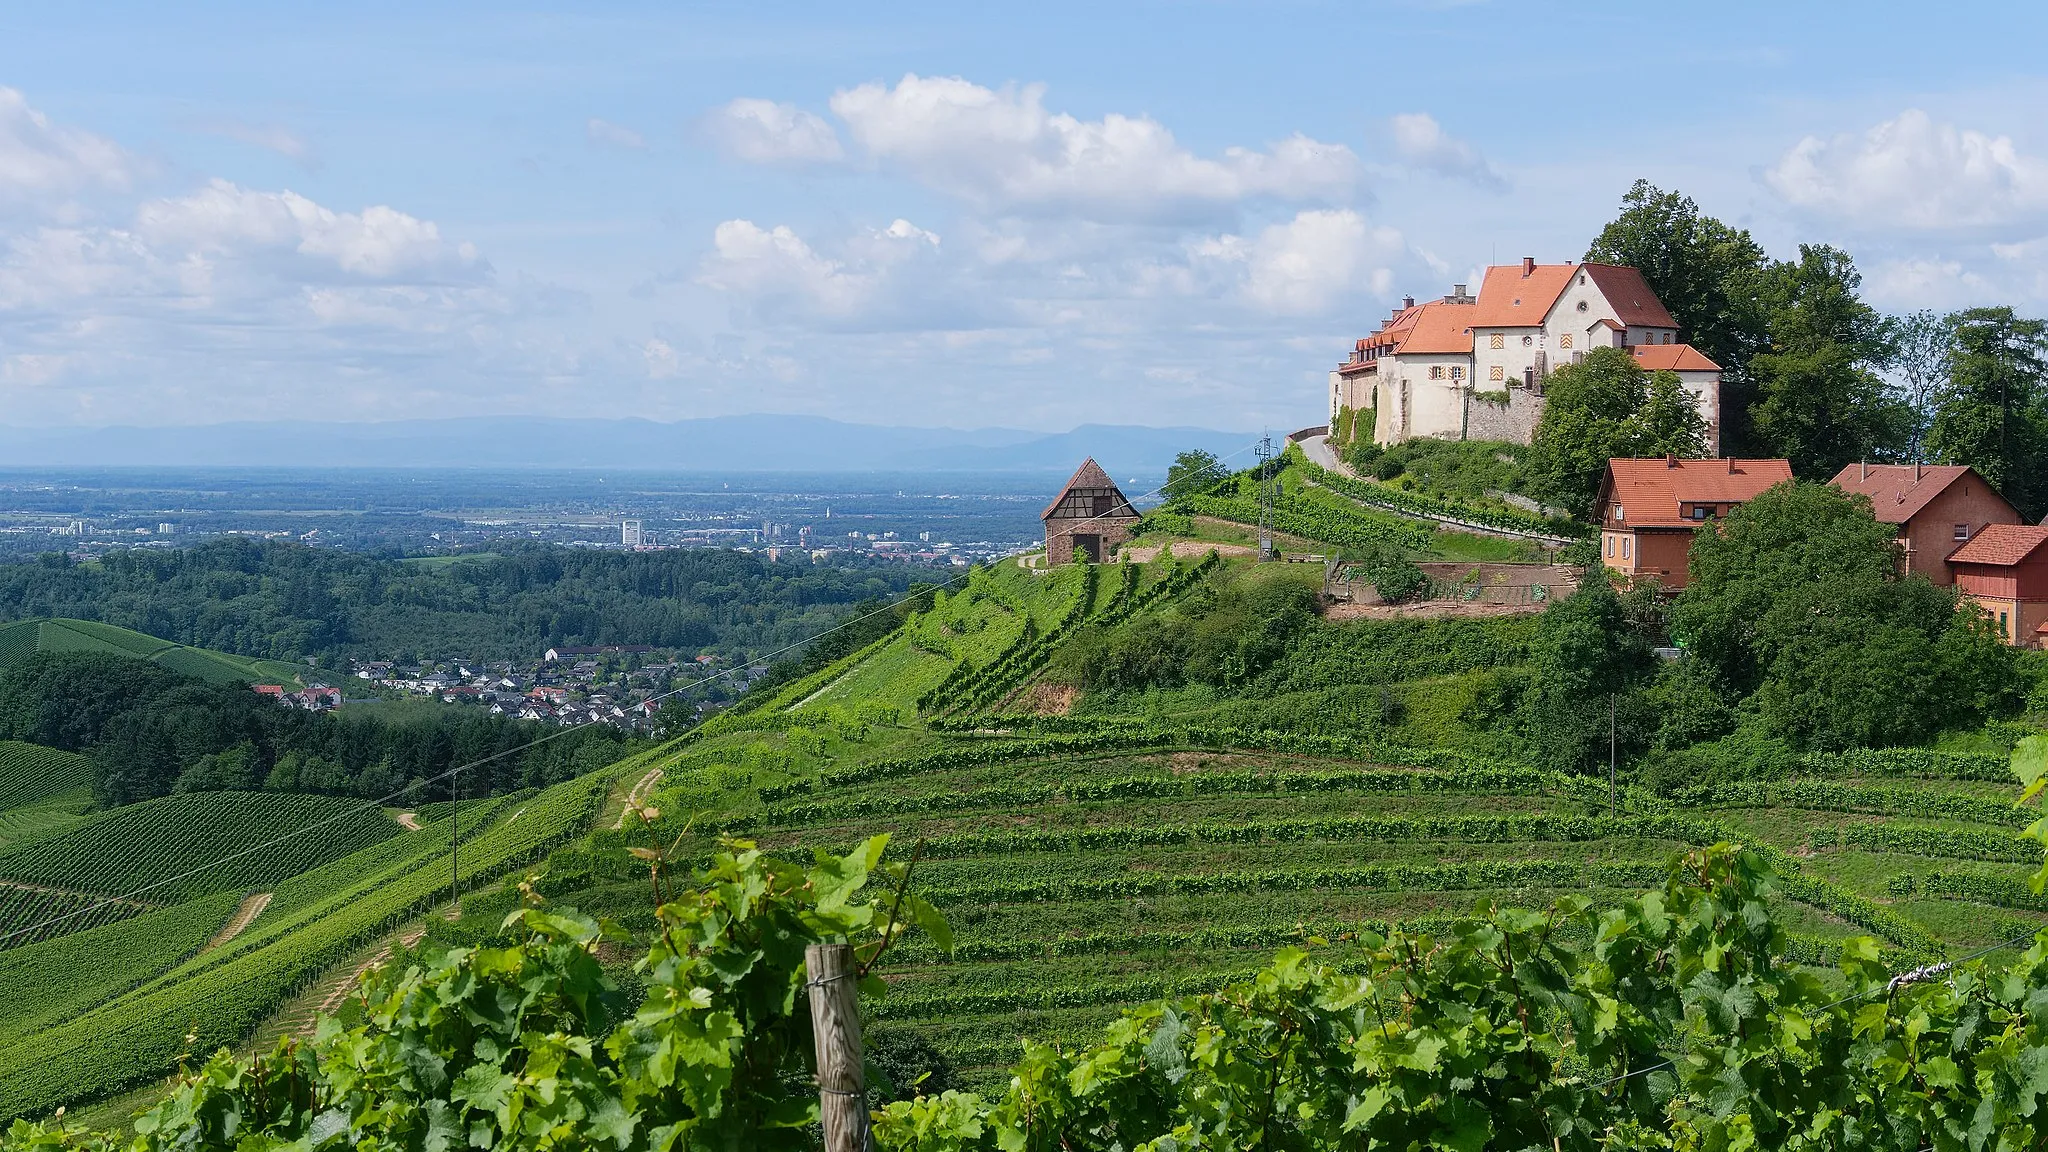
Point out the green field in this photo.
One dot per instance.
(22, 637)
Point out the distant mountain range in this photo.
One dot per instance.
(760, 443)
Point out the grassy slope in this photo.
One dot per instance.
(22, 637)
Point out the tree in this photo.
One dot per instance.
(1586, 652)
(1994, 414)
(1707, 274)
(1820, 403)
(1921, 345)
(1194, 472)
(1796, 604)
(1603, 407)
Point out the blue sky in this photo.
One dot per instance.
(1029, 215)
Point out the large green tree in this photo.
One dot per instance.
(1922, 344)
(1708, 275)
(1587, 657)
(1194, 472)
(1993, 415)
(1603, 407)
(1796, 604)
(1820, 402)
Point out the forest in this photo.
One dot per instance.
(291, 602)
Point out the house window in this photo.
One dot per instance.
(1617, 513)
(1496, 373)
(1497, 340)
(1624, 547)
(1962, 531)
(1699, 511)
(1457, 372)
(1610, 547)
(1564, 341)
(1436, 371)
(2002, 629)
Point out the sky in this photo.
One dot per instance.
(954, 215)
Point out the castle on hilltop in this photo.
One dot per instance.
(1473, 367)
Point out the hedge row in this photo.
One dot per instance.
(1441, 507)
(1928, 842)
(1917, 762)
(1826, 796)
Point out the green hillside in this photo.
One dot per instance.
(23, 637)
(31, 773)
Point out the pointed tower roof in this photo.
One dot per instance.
(1089, 480)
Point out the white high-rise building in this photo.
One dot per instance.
(629, 533)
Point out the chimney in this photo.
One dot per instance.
(1731, 465)
(1916, 471)
(1407, 301)
(1862, 470)
(1528, 265)
(1671, 459)
(1457, 289)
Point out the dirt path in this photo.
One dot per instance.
(246, 913)
(410, 821)
(638, 795)
(342, 987)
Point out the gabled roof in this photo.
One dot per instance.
(1508, 299)
(1671, 358)
(1440, 327)
(1652, 492)
(1899, 491)
(1090, 477)
(2002, 545)
(1634, 302)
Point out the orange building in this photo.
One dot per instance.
(2004, 569)
(1938, 507)
(1649, 509)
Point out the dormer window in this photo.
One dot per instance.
(1699, 511)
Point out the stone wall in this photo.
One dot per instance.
(1514, 421)
(1111, 533)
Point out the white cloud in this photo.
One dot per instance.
(1913, 172)
(1926, 282)
(378, 242)
(765, 132)
(614, 135)
(1422, 143)
(1002, 150)
(776, 265)
(38, 158)
(662, 361)
(1308, 264)
(270, 137)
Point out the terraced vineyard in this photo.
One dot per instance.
(131, 860)
(1082, 879)
(31, 773)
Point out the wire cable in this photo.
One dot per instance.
(414, 786)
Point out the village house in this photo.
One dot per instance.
(1649, 509)
(1090, 516)
(1473, 367)
(1938, 507)
(2004, 570)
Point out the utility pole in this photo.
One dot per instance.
(1613, 805)
(1266, 486)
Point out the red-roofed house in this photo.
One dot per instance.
(1473, 367)
(1649, 509)
(1938, 507)
(2004, 569)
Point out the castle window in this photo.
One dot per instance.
(1436, 371)
(1497, 340)
(1496, 373)
(1457, 372)
(1528, 340)
(1582, 303)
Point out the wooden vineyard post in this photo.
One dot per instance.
(835, 1020)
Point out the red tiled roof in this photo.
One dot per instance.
(1090, 475)
(1671, 358)
(1604, 322)
(1630, 294)
(1651, 492)
(1898, 491)
(2002, 545)
(1508, 299)
(1441, 327)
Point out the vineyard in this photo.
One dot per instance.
(31, 773)
(1087, 870)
